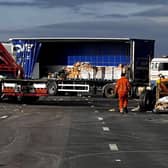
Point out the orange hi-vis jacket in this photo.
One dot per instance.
(122, 85)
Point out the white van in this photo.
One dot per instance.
(159, 66)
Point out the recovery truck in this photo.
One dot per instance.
(40, 60)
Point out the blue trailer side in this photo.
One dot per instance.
(99, 52)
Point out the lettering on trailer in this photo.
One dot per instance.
(27, 52)
(25, 47)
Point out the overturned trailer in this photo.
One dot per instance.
(42, 56)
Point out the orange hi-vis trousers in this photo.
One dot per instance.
(123, 100)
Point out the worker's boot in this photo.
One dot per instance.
(121, 111)
(125, 110)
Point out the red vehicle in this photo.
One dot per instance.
(8, 66)
(13, 84)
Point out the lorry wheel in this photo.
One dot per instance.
(52, 88)
(108, 90)
(146, 101)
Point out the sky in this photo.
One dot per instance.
(144, 19)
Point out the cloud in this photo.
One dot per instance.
(52, 3)
(107, 11)
(132, 28)
(159, 11)
(128, 29)
(72, 3)
(16, 2)
(93, 9)
(115, 9)
(107, 18)
(158, 15)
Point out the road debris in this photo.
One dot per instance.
(3, 117)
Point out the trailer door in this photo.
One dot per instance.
(144, 50)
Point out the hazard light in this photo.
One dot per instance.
(9, 87)
(39, 85)
(40, 88)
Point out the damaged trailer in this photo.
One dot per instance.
(40, 57)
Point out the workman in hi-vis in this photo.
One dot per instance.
(122, 88)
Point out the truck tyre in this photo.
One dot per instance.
(52, 88)
(146, 101)
(108, 90)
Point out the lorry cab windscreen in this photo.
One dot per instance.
(163, 66)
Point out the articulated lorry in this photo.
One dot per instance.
(96, 63)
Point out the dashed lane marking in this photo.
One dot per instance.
(113, 147)
(100, 118)
(96, 111)
(106, 128)
(118, 160)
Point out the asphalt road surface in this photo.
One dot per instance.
(81, 132)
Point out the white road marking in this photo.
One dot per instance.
(96, 111)
(92, 106)
(3, 117)
(118, 160)
(100, 118)
(106, 128)
(112, 110)
(113, 147)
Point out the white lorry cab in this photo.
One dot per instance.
(159, 67)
